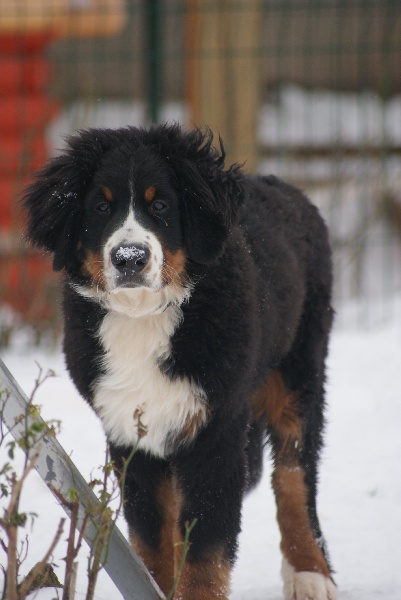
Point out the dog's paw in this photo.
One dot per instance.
(306, 585)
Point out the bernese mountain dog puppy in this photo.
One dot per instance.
(197, 308)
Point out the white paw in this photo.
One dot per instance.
(306, 585)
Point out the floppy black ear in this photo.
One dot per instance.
(54, 201)
(210, 196)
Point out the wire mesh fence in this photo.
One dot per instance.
(307, 89)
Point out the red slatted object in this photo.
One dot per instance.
(25, 112)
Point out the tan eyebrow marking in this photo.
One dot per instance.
(150, 193)
(107, 194)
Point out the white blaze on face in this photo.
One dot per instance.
(132, 234)
(150, 298)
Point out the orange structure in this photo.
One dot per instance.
(26, 109)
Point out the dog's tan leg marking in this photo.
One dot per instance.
(204, 579)
(298, 543)
(305, 572)
(161, 562)
(200, 580)
(275, 406)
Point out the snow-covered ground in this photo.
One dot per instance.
(360, 484)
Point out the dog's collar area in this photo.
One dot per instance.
(136, 303)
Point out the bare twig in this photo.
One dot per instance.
(10, 523)
(71, 552)
(185, 547)
(12, 563)
(25, 586)
(95, 560)
(72, 549)
(23, 553)
(73, 580)
(18, 483)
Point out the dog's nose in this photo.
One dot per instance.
(128, 257)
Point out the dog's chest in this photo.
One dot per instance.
(136, 402)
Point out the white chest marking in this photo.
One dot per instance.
(134, 385)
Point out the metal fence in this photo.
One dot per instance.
(59, 473)
(307, 89)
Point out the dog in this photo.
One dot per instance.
(197, 310)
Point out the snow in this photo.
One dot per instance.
(360, 483)
(319, 117)
(129, 253)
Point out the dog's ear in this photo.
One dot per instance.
(54, 201)
(210, 195)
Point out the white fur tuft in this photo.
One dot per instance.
(306, 585)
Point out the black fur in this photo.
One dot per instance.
(258, 253)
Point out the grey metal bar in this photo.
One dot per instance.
(126, 570)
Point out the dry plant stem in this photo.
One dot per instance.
(39, 568)
(185, 548)
(23, 558)
(12, 529)
(12, 568)
(72, 549)
(71, 553)
(105, 523)
(73, 580)
(17, 484)
(12, 520)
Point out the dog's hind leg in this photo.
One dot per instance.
(292, 406)
(296, 426)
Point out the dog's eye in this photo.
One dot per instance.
(102, 207)
(158, 206)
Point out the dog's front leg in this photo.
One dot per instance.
(210, 484)
(150, 511)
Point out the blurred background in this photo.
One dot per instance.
(307, 89)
